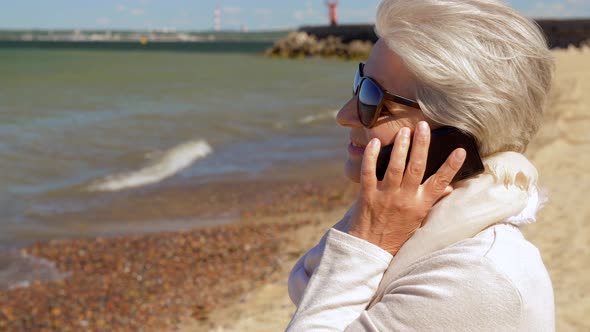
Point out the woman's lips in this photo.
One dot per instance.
(356, 149)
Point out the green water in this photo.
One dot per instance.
(71, 118)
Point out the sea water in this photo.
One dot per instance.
(80, 125)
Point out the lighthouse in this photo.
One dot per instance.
(332, 8)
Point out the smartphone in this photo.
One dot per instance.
(443, 141)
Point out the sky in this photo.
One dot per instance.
(197, 15)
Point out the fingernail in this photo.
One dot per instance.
(374, 142)
(460, 154)
(405, 132)
(422, 127)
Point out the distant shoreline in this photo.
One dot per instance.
(560, 34)
(143, 37)
(243, 47)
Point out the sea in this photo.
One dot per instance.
(84, 124)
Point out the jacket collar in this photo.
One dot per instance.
(505, 193)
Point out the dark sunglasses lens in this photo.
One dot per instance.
(369, 98)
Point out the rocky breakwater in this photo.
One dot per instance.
(301, 44)
(356, 41)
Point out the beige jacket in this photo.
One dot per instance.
(467, 269)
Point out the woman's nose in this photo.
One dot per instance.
(347, 116)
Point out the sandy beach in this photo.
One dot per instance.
(234, 277)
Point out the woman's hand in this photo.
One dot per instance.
(388, 212)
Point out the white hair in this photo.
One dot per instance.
(479, 66)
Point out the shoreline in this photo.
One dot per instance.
(179, 205)
(165, 280)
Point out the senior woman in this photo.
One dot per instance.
(437, 255)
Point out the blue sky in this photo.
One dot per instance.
(198, 14)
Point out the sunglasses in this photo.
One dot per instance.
(371, 98)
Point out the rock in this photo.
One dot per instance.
(300, 44)
(359, 48)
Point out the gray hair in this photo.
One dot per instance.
(479, 66)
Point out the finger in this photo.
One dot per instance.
(397, 161)
(437, 185)
(415, 170)
(368, 166)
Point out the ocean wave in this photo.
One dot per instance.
(161, 166)
(325, 115)
(18, 270)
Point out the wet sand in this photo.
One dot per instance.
(234, 277)
(164, 280)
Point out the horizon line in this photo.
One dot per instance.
(210, 30)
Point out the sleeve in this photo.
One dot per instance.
(443, 293)
(342, 285)
(307, 264)
(299, 276)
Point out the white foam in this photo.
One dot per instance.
(318, 117)
(162, 166)
(19, 270)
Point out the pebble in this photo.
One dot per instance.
(153, 282)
